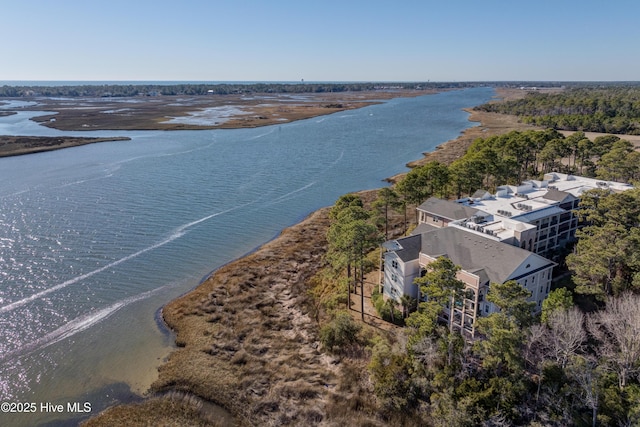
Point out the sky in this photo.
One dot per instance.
(328, 40)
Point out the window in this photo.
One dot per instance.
(486, 308)
(394, 264)
(394, 277)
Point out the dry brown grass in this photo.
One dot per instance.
(18, 145)
(174, 410)
(249, 341)
(152, 113)
(248, 337)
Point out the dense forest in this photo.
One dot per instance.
(610, 109)
(576, 364)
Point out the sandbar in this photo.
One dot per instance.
(178, 112)
(19, 145)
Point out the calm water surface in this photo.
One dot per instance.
(95, 239)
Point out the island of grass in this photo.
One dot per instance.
(19, 145)
(169, 109)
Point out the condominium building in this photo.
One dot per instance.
(493, 238)
(535, 215)
(482, 261)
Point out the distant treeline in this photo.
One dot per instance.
(204, 89)
(111, 90)
(611, 108)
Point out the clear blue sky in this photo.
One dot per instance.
(346, 40)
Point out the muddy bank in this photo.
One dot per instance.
(180, 113)
(489, 124)
(174, 112)
(18, 145)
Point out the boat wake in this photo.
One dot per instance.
(38, 295)
(291, 193)
(77, 325)
(262, 135)
(177, 233)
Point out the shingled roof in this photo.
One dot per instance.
(474, 252)
(409, 247)
(557, 195)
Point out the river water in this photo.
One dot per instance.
(95, 239)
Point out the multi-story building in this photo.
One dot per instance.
(482, 261)
(535, 215)
(493, 238)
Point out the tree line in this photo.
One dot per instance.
(151, 89)
(606, 108)
(519, 155)
(128, 90)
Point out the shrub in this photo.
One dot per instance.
(340, 332)
(384, 309)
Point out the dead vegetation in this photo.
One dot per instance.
(174, 409)
(248, 341)
(248, 337)
(155, 112)
(18, 145)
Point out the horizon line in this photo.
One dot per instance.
(324, 81)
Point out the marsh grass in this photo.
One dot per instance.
(173, 409)
(248, 340)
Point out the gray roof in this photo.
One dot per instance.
(475, 253)
(557, 195)
(479, 194)
(447, 209)
(423, 228)
(410, 247)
